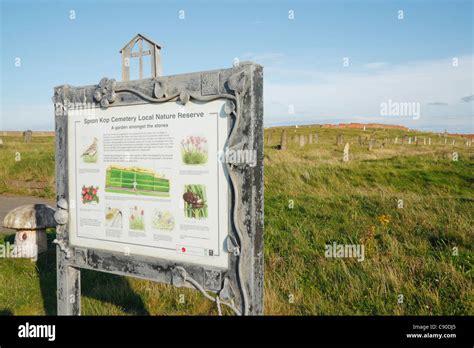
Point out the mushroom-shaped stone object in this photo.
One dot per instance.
(30, 222)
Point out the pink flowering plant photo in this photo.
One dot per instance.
(194, 150)
(136, 219)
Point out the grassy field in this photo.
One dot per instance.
(423, 251)
(27, 163)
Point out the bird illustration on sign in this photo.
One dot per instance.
(90, 154)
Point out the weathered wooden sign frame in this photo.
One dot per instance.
(240, 287)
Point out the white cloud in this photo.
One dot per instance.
(263, 57)
(345, 96)
(376, 65)
(25, 116)
(352, 96)
(438, 104)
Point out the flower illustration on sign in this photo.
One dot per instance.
(89, 194)
(136, 219)
(194, 150)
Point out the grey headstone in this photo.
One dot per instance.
(302, 140)
(28, 135)
(340, 139)
(283, 140)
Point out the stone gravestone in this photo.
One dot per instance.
(409, 140)
(112, 193)
(429, 141)
(269, 138)
(445, 141)
(310, 139)
(302, 140)
(345, 156)
(316, 138)
(371, 144)
(424, 141)
(340, 139)
(360, 140)
(27, 136)
(395, 141)
(1, 141)
(283, 140)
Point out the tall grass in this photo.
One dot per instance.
(422, 252)
(22, 162)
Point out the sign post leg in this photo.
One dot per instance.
(69, 286)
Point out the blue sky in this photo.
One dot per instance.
(407, 60)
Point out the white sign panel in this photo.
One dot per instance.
(147, 180)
